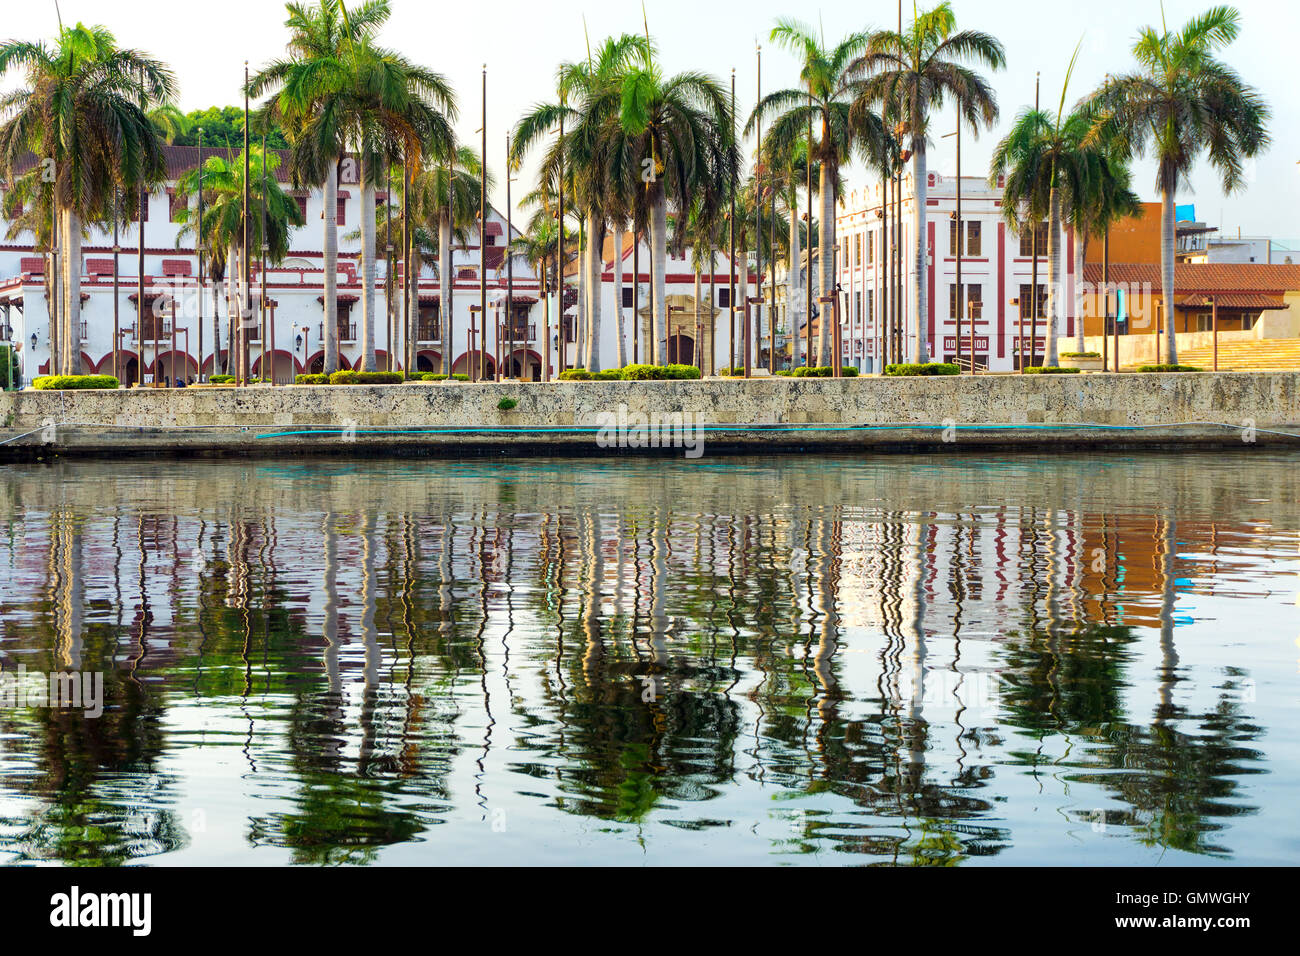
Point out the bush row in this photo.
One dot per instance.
(819, 371)
(632, 373)
(76, 381)
(929, 368)
(1051, 370)
(1170, 368)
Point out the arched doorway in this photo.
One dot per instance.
(525, 364)
(172, 366)
(282, 366)
(470, 360)
(681, 350)
(427, 360)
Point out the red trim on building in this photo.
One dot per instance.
(1002, 290)
(929, 229)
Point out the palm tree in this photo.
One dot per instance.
(83, 109)
(1107, 198)
(1044, 162)
(830, 90)
(908, 75)
(597, 157)
(1182, 101)
(682, 135)
(309, 84)
(539, 247)
(223, 233)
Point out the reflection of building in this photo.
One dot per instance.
(295, 294)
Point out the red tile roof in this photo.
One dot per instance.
(1256, 302)
(1204, 277)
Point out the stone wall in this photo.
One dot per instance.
(451, 418)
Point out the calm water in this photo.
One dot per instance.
(903, 660)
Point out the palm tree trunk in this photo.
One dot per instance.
(445, 283)
(72, 289)
(826, 262)
(368, 363)
(621, 347)
(658, 270)
(580, 310)
(1080, 243)
(217, 367)
(1167, 260)
(413, 315)
(595, 263)
(921, 352)
(330, 263)
(1054, 296)
(232, 309)
(795, 286)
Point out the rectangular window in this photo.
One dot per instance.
(176, 205)
(1027, 303)
(857, 306)
(871, 248)
(724, 298)
(302, 205)
(952, 238)
(871, 305)
(974, 240)
(1027, 242)
(857, 249)
(133, 209)
(627, 296)
(342, 212)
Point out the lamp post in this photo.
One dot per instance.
(117, 317)
(198, 249)
(958, 249)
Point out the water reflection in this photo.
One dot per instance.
(903, 660)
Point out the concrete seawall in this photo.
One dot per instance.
(761, 415)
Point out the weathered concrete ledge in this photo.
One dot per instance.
(762, 415)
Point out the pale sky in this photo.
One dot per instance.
(522, 41)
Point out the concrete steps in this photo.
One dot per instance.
(1264, 355)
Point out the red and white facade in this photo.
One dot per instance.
(997, 273)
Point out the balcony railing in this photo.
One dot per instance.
(428, 331)
(347, 332)
(520, 333)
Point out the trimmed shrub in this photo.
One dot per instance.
(307, 379)
(575, 375)
(1080, 355)
(785, 372)
(1170, 368)
(929, 368)
(223, 379)
(608, 375)
(459, 377)
(1051, 370)
(435, 377)
(643, 373)
(352, 377)
(506, 404)
(62, 382)
(683, 372)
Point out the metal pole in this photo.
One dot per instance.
(1105, 298)
(482, 237)
(388, 264)
(117, 319)
(562, 363)
(758, 222)
(266, 332)
(139, 292)
(198, 249)
(636, 294)
(1214, 326)
(808, 280)
(510, 273)
(731, 230)
(961, 248)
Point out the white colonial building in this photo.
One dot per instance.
(166, 342)
(997, 273)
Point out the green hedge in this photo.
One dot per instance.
(823, 371)
(61, 382)
(575, 375)
(351, 377)
(608, 375)
(221, 379)
(929, 368)
(311, 378)
(1080, 355)
(1170, 368)
(1051, 370)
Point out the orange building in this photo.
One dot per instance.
(1133, 239)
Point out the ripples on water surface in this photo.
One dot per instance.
(902, 660)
